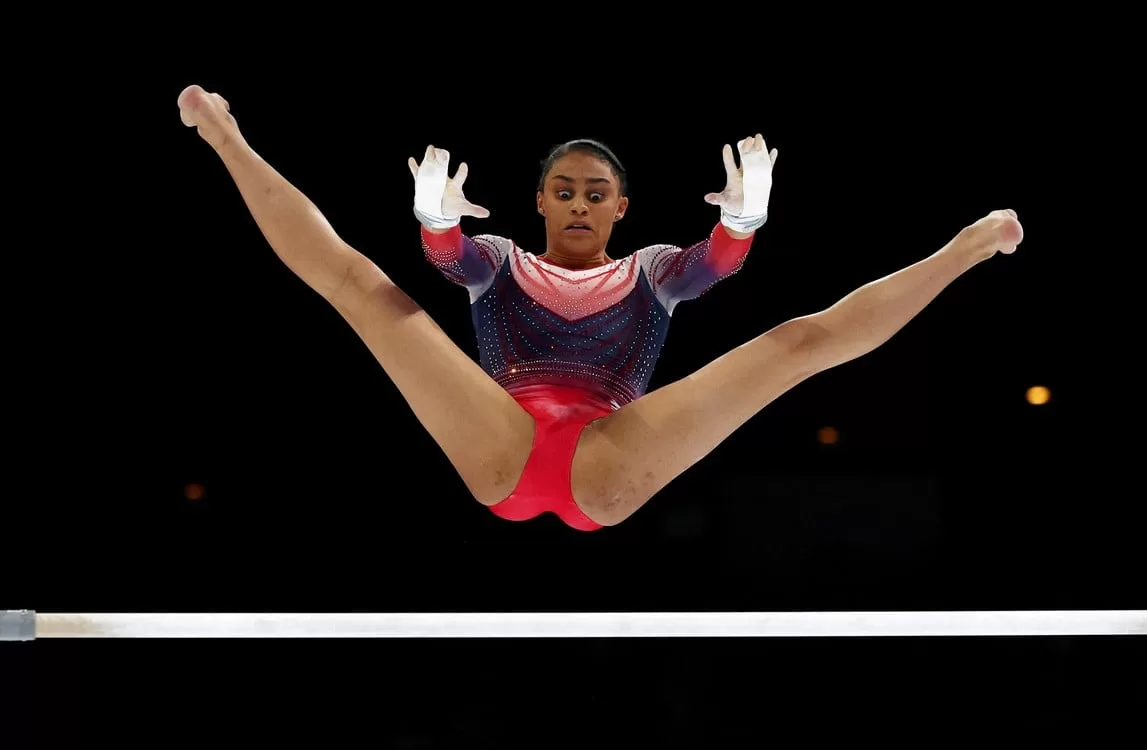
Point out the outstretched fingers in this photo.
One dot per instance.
(732, 171)
(435, 156)
(473, 209)
(732, 178)
(755, 149)
(753, 153)
(436, 162)
(467, 208)
(460, 175)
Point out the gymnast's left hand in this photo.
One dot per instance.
(747, 188)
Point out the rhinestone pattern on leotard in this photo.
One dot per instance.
(601, 328)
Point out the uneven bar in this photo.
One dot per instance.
(26, 625)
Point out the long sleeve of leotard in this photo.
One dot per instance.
(466, 261)
(677, 273)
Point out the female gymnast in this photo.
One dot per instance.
(555, 417)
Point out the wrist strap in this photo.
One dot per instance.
(743, 224)
(435, 222)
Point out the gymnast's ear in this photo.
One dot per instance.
(541, 205)
(622, 205)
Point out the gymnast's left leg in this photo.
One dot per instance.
(627, 457)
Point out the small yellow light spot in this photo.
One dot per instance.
(1038, 395)
(827, 435)
(193, 491)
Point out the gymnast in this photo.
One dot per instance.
(555, 416)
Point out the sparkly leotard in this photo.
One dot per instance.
(573, 345)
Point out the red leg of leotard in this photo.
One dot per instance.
(560, 413)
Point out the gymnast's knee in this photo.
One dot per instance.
(604, 490)
(492, 476)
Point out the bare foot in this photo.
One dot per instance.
(210, 114)
(999, 231)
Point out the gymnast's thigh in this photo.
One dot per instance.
(607, 481)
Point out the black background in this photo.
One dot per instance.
(185, 352)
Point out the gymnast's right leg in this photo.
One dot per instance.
(485, 434)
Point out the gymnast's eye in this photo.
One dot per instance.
(564, 195)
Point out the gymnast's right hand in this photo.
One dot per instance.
(438, 200)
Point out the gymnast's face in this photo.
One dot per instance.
(581, 201)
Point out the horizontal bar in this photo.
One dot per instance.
(571, 624)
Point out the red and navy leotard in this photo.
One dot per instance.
(601, 329)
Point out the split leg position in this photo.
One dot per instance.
(624, 458)
(627, 457)
(484, 433)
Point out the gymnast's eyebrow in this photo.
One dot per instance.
(588, 179)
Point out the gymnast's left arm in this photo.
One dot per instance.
(678, 274)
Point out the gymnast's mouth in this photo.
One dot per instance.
(578, 228)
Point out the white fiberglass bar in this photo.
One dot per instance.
(26, 625)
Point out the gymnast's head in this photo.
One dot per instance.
(582, 192)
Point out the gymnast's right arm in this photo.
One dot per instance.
(439, 206)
